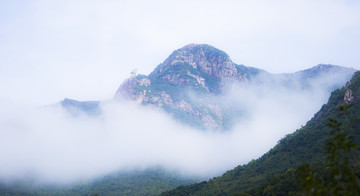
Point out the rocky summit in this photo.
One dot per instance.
(200, 59)
(185, 82)
(196, 70)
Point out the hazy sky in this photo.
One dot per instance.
(85, 49)
(50, 50)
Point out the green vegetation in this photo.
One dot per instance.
(249, 71)
(181, 81)
(338, 178)
(274, 173)
(148, 182)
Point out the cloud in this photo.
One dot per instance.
(50, 145)
(59, 47)
(84, 49)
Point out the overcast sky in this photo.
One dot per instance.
(84, 49)
(50, 50)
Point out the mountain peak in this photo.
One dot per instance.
(203, 49)
(201, 57)
(192, 46)
(201, 70)
(326, 68)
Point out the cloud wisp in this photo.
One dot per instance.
(50, 145)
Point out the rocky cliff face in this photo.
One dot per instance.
(202, 58)
(352, 90)
(183, 83)
(194, 70)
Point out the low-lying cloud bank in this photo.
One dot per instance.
(50, 145)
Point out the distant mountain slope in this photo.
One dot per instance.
(304, 145)
(77, 107)
(143, 182)
(183, 83)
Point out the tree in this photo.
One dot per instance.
(338, 177)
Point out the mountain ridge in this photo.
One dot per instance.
(205, 71)
(198, 72)
(203, 57)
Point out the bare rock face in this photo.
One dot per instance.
(203, 58)
(352, 90)
(348, 98)
(209, 122)
(127, 89)
(207, 59)
(200, 69)
(192, 74)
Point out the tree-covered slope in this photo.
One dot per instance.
(304, 145)
(143, 182)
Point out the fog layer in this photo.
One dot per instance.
(50, 145)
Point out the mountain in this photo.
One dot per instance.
(75, 107)
(151, 181)
(192, 71)
(191, 76)
(275, 169)
(190, 85)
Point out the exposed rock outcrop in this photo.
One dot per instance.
(200, 69)
(348, 98)
(195, 72)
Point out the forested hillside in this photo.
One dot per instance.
(143, 182)
(276, 171)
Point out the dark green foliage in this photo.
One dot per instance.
(282, 184)
(339, 177)
(304, 145)
(149, 182)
